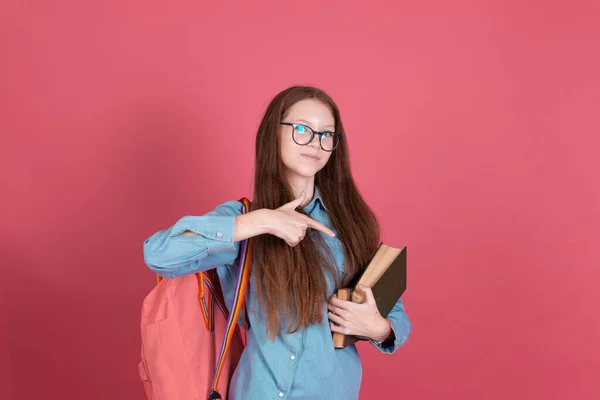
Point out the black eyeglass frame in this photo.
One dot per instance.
(294, 125)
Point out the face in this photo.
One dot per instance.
(305, 161)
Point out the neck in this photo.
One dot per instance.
(303, 184)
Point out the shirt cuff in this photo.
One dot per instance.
(219, 229)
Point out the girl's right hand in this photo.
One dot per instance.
(288, 224)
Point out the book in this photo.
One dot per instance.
(385, 274)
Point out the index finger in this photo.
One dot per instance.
(319, 226)
(343, 304)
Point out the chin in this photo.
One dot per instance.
(305, 171)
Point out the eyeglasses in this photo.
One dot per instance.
(303, 135)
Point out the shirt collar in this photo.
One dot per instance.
(316, 199)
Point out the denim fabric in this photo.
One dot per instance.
(303, 365)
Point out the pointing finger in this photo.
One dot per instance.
(319, 226)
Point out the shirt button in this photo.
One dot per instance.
(292, 357)
(219, 234)
(280, 394)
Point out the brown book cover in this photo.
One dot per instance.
(386, 275)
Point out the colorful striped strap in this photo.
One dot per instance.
(245, 261)
(208, 279)
(208, 298)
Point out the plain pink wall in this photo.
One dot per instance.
(473, 130)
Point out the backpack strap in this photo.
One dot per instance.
(206, 285)
(245, 261)
(206, 280)
(210, 281)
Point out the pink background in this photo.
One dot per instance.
(473, 131)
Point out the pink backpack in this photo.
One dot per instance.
(187, 348)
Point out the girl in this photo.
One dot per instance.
(313, 233)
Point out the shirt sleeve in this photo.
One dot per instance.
(401, 327)
(169, 254)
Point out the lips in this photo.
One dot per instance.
(311, 157)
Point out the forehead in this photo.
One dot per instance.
(311, 111)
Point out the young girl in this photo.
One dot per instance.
(313, 233)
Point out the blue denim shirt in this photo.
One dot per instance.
(303, 365)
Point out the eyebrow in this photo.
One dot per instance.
(328, 127)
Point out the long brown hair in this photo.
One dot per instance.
(291, 281)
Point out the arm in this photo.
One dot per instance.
(200, 243)
(196, 244)
(401, 328)
(364, 321)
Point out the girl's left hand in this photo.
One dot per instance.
(351, 318)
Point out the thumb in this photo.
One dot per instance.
(370, 298)
(292, 205)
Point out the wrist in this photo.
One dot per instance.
(263, 221)
(251, 224)
(384, 332)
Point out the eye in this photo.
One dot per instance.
(301, 129)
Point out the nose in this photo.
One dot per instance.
(315, 142)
